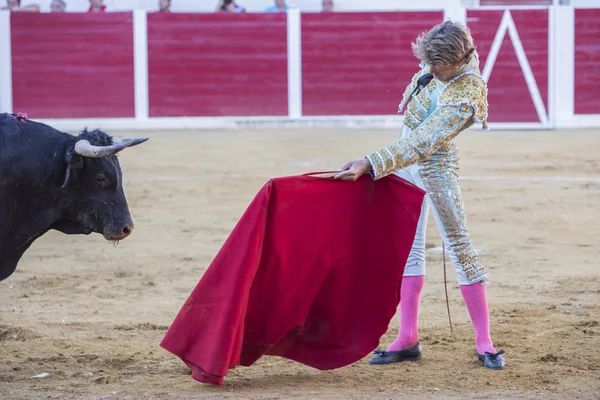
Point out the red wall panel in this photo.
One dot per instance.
(534, 32)
(587, 61)
(217, 64)
(509, 97)
(359, 63)
(73, 65)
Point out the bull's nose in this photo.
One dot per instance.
(126, 231)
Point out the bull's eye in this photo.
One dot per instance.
(100, 178)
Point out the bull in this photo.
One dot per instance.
(54, 180)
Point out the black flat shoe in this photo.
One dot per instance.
(492, 360)
(389, 357)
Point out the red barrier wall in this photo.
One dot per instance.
(73, 65)
(81, 65)
(587, 61)
(217, 64)
(509, 97)
(359, 63)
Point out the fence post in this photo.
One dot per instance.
(5, 64)
(294, 63)
(562, 75)
(456, 14)
(140, 64)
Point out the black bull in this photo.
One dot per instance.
(53, 180)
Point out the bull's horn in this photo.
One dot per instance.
(134, 142)
(85, 149)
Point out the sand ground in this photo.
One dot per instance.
(91, 315)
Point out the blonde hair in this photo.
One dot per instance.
(445, 44)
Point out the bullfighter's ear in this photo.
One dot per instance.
(74, 166)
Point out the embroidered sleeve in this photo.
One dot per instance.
(463, 102)
(442, 125)
(468, 89)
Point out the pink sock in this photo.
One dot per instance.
(410, 294)
(475, 297)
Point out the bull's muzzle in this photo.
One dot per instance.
(118, 234)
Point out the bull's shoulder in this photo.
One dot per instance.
(27, 146)
(15, 126)
(9, 124)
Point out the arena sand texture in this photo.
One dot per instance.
(92, 315)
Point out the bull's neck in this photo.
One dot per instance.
(29, 191)
(26, 227)
(28, 213)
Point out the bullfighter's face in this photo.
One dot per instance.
(445, 72)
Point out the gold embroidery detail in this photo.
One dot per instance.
(418, 105)
(440, 180)
(412, 85)
(426, 101)
(413, 117)
(470, 89)
(418, 114)
(410, 120)
(441, 126)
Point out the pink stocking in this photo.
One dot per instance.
(410, 294)
(476, 300)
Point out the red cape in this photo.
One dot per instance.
(311, 272)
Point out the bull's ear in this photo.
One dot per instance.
(74, 166)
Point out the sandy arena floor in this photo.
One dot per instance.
(92, 317)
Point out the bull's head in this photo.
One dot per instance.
(92, 187)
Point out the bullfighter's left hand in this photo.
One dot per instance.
(353, 170)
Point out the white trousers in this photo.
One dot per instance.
(456, 246)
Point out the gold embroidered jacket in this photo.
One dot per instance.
(435, 116)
